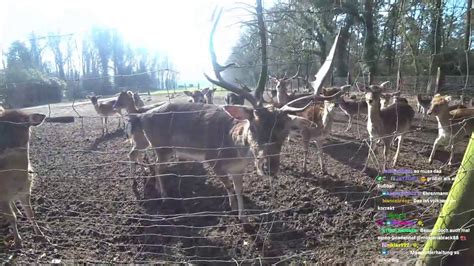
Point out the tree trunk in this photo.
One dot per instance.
(456, 213)
(369, 42)
(467, 34)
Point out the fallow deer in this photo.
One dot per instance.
(320, 119)
(138, 100)
(452, 125)
(105, 109)
(235, 99)
(282, 90)
(16, 174)
(205, 95)
(227, 137)
(394, 121)
(126, 101)
(352, 108)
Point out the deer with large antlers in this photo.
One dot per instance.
(386, 124)
(229, 137)
(452, 124)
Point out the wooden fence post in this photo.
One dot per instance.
(457, 212)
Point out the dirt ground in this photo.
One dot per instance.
(83, 201)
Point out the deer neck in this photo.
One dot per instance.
(240, 132)
(374, 119)
(282, 96)
(131, 106)
(327, 120)
(443, 119)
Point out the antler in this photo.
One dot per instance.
(295, 75)
(319, 98)
(218, 69)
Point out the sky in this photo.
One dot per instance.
(179, 27)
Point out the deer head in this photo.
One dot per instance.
(267, 127)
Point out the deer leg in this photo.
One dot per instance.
(320, 156)
(400, 141)
(371, 151)
(106, 124)
(10, 217)
(120, 119)
(133, 155)
(433, 151)
(237, 179)
(15, 209)
(349, 123)
(451, 154)
(163, 155)
(25, 201)
(305, 137)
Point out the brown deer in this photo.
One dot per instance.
(452, 124)
(138, 100)
(105, 109)
(352, 108)
(205, 95)
(16, 174)
(227, 137)
(386, 124)
(126, 101)
(282, 95)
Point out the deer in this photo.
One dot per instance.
(235, 99)
(351, 108)
(205, 95)
(392, 122)
(452, 124)
(227, 137)
(105, 109)
(126, 100)
(138, 100)
(16, 173)
(320, 119)
(282, 91)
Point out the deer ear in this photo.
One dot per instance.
(99, 96)
(205, 91)
(239, 112)
(88, 96)
(188, 93)
(36, 119)
(448, 98)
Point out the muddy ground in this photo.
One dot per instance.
(84, 203)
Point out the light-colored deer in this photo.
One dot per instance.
(394, 121)
(452, 124)
(319, 123)
(228, 138)
(16, 174)
(352, 108)
(105, 109)
(140, 144)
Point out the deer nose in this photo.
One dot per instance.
(370, 101)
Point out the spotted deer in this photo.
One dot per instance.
(16, 173)
(386, 124)
(227, 137)
(105, 109)
(319, 117)
(352, 108)
(453, 125)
